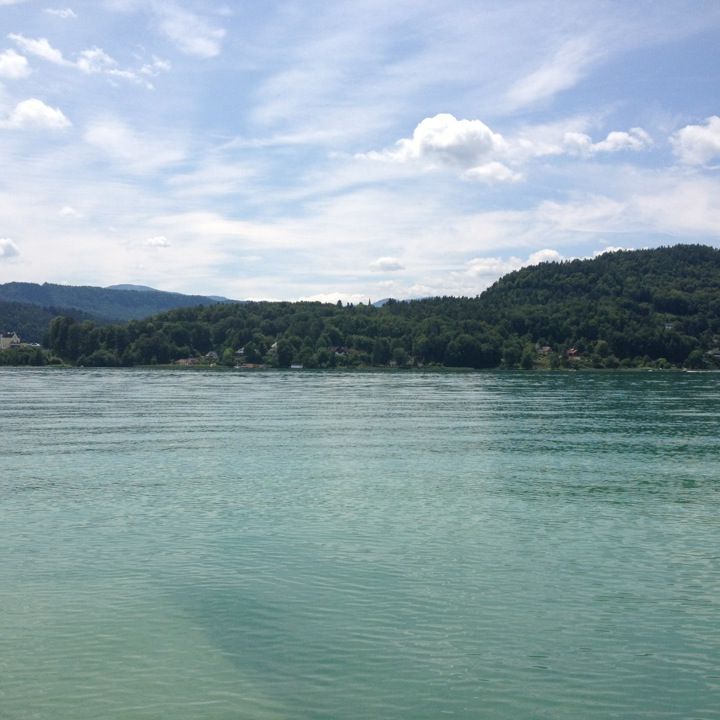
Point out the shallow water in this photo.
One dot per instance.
(359, 545)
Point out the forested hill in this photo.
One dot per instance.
(658, 303)
(104, 304)
(31, 321)
(658, 308)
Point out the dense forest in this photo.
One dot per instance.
(31, 322)
(645, 308)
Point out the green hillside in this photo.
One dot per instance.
(646, 308)
(662, 303)
(31, 322)
(106, 304)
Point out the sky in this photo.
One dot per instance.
(350, 150)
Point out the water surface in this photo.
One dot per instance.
(359, 545)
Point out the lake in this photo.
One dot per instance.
(199, 544)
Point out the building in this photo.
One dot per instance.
(9, 340)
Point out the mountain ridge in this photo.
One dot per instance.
(103, 305)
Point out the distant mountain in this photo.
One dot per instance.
(145, 288)
(138, 288)
(103, 305)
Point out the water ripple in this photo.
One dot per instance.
(358, 545)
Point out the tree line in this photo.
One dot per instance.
(647, 308)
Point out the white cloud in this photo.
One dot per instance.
(34, 113)
(698, 144)
(672, 204)
(40, 47)
(492, 172)
(155, 67)
(8, 249)
(545, 255)
(494, 267)
(636, 139)
(136, 152)
(443, 140)
(191, 33)
(160, 241)
(92, 61)
(95, 60)
(13, 66)
(386, 264)
(63, 13)
(487, 267)
(480, 153)
(562, 72)
(69, 212)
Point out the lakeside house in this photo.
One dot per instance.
(9, 340)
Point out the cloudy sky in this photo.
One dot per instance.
(360, 149)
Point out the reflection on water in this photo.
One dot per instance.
(358, 545)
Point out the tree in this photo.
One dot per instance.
(285, 353)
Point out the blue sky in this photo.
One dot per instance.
(352, 150)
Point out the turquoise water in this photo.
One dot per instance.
(359, 545)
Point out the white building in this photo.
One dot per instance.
(8, 340)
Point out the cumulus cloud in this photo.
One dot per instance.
(63, 13)
(477, 152)
(386, 264)
(443, 140)
(192, 34)
(581, 144)
(13, 66)
(698, 144)
(34, 113)
(160, 241)
(8, 249)
(136, 152)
